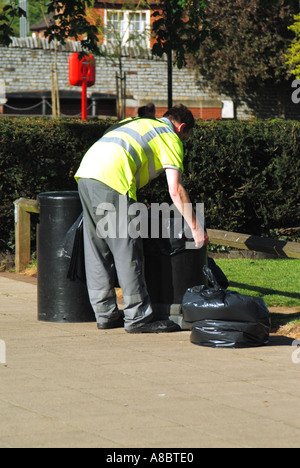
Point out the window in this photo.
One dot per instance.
(130, 28)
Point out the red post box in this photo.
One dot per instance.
(82, 73)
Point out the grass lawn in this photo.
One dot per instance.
(276, 281)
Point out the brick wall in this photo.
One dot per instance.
(27, 69)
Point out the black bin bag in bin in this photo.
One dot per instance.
(224, 318)
(74, 250)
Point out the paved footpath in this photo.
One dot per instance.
(70, 385)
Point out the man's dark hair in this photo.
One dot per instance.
(147, 111)
(183, 115)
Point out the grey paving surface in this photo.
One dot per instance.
(70, 385)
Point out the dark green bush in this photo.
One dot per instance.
(250, 174)
(39, 155)
(246, 173)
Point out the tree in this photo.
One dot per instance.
(36, 11)
(248, 51)
(9, 11)
(71, 22)
(293, 52)
(179, 28)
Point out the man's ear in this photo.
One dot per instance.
(181, 127)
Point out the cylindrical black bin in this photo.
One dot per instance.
(59, 299)
(168, 277)
(170, 269)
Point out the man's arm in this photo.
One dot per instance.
(182, 202)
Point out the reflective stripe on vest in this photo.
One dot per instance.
(143, 141)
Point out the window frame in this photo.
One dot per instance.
(126, 33)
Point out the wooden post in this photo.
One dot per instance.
(23, 208)
(118, 98)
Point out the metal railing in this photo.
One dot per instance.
(44, 103)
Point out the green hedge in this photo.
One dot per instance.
(246, 173)
(39, 155)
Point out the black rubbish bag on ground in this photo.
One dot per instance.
(221, 334)
(74, 250)
(223, 318)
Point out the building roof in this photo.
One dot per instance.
(121, 3)
(44, 23)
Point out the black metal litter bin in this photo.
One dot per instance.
(59, 299)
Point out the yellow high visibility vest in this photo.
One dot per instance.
(130, 156)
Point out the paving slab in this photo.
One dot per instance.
(71, 386)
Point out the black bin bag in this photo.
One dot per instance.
(224, 318)
(74, 250)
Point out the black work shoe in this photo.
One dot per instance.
(119, 323)
(161, 326)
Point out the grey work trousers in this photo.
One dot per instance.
(110, 256)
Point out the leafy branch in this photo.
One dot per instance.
(8, 13)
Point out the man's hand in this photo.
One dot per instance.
(200, 237)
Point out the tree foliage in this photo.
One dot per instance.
(293, 52)
(70, 22)
(73, 20)
(8, 12)
(179, 26)
(250, 46)
(36, 12)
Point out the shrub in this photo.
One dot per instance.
(246, 173)
(39, 155)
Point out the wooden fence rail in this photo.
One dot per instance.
(258, 244)
(24, 207)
